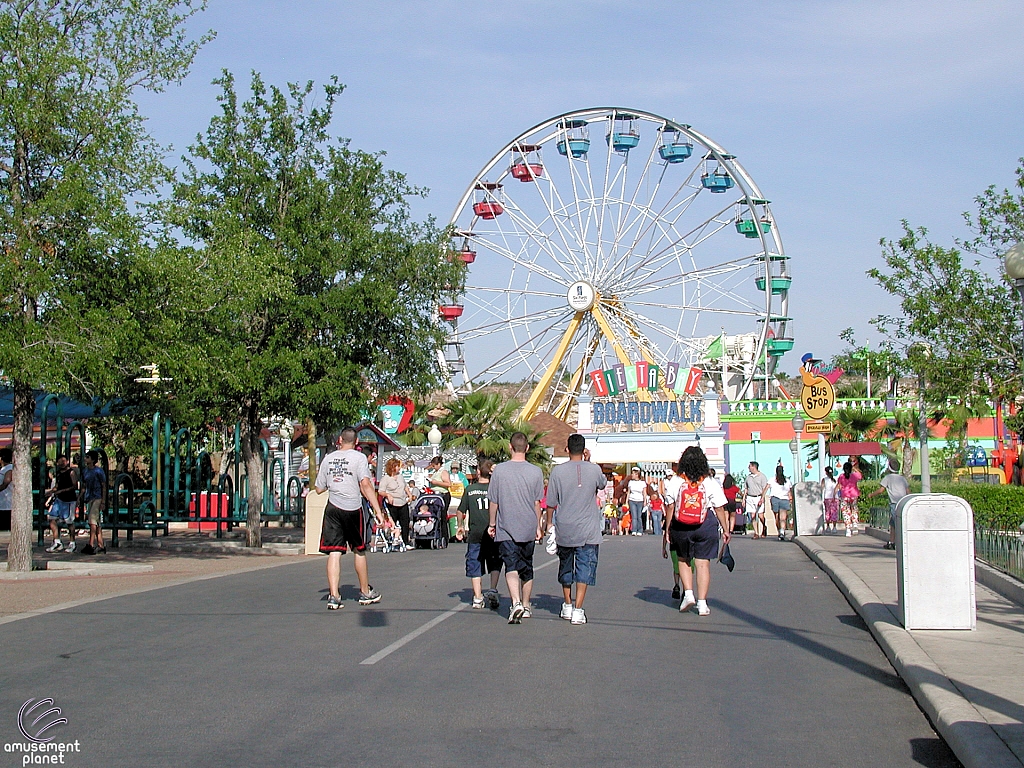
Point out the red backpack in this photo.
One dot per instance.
(690, 506)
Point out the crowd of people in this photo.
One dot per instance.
(507, 510)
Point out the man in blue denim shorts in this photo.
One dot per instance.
(572, 507)
(514, 507)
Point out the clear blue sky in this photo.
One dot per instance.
(849, 115)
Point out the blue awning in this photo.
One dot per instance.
(69, 408)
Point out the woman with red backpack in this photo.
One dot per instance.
(692, 532)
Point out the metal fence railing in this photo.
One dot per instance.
(1003, 550)
(876, 516)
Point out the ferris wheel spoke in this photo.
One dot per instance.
(491, 289)
(554, 217)
(523, 351)
(652, 264)
(573, 224)
(537, 234)
(622, 226)
(670, 210)
(628, 327)
(505, 323)
(514, 257)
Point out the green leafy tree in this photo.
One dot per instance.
(858, 359)
(74, 155)
(961, 306)
(319, 293)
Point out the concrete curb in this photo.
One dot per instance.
(56, 569)
(968, 734)
(215, 546)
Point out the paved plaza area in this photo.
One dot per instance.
(251, 669)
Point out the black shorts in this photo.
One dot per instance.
(518, 557)
(698, 542)
(343, 528)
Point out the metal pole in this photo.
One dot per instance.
(797, 474)
(821, 457)
(922, 428)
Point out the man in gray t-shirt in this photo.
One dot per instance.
(514, 496)
(572, 507)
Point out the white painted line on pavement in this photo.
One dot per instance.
(385, 652)
(388, 650)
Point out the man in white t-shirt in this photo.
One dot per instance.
(670, 492)
(345, 476)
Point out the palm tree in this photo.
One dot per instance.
(472, 418)
(486, 422)
(904, 428)
(956, 417)
(855, 424)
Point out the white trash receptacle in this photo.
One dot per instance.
(809, 515)
(935, 562)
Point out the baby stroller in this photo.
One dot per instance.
(430, 521)
(386, 538)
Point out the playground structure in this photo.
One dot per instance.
(184, 485)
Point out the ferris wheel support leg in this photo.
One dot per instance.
(606, 329)
(530, 409)
(563, 409)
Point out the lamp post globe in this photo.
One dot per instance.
(798, 423)
(434, 438)
(1013, 262)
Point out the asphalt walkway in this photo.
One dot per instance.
(252, 669)
(968, 682)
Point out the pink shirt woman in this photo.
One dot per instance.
(849, 492)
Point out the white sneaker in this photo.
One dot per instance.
(849, 533)
(686, 604)
(478, 603)
(515, 614)
(579, 616)
(71, 546)
(55, 547)
(527, 613)
(703, 610)
(566, 612)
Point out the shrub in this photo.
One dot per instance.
(999, 507)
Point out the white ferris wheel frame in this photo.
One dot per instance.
(563, 256)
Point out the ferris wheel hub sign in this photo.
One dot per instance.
(581, 296)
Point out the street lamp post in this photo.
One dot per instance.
(434, 438)
(1013, 264)
(922, 350)
(798, 423)
(755, 438)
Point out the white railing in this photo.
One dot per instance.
(767, 407)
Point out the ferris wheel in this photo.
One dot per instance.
(607, 236)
